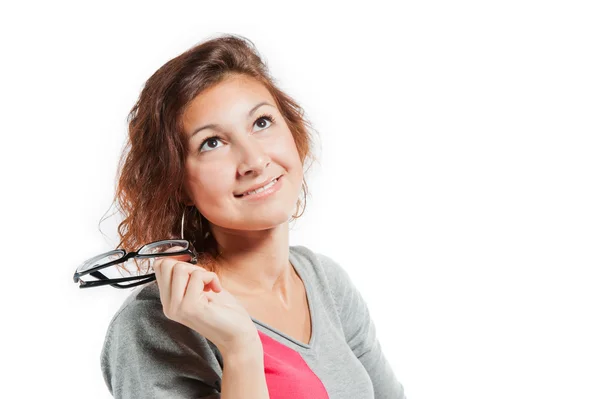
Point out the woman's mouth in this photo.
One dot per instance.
(263, 191)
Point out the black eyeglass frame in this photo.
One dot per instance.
(116, 282)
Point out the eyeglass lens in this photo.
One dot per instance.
(133, 266)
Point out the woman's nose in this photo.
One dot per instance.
(253, 158)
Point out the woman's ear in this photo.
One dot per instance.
(186, 198)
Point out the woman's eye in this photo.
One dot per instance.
(210, 144)
(261, 119)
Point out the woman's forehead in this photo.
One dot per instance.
(230, 101)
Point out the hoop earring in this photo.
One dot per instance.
(204, 236)
(295, 215)
(183, 221)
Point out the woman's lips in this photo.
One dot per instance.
(264, 193)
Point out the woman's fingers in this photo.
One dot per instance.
(214, 284)
(174, 278)
(162, 272)
(163, 269)
(198, 280)
(180, 281)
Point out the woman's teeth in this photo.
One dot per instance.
(263, 188)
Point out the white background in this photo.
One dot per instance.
(458, 180)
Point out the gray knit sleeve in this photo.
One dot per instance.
(360, 332)
(146, 355)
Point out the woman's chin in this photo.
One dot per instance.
(269, 221)
(256, 221)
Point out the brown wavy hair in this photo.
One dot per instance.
(149, 192)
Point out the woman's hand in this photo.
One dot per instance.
(194, 297)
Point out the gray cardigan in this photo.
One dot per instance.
(146, 355)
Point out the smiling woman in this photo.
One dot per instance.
(217, 155)
(230, 182)
(179, 134)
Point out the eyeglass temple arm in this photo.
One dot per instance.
(103, 280)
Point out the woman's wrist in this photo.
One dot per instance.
(243, 348)
(250, 355)
(244, 373)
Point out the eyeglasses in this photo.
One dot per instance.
(145, 255)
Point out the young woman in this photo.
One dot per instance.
(216, 146)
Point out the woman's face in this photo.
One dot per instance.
(247, 143)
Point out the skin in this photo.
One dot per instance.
(253, 236)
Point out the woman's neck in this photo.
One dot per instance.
(255, 262)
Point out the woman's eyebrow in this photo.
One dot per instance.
(217, 127)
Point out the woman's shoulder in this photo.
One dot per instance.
(143, 346)
(143, 301)
(141, 318)
(321, 266)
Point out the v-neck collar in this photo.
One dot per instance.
(298, 266)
